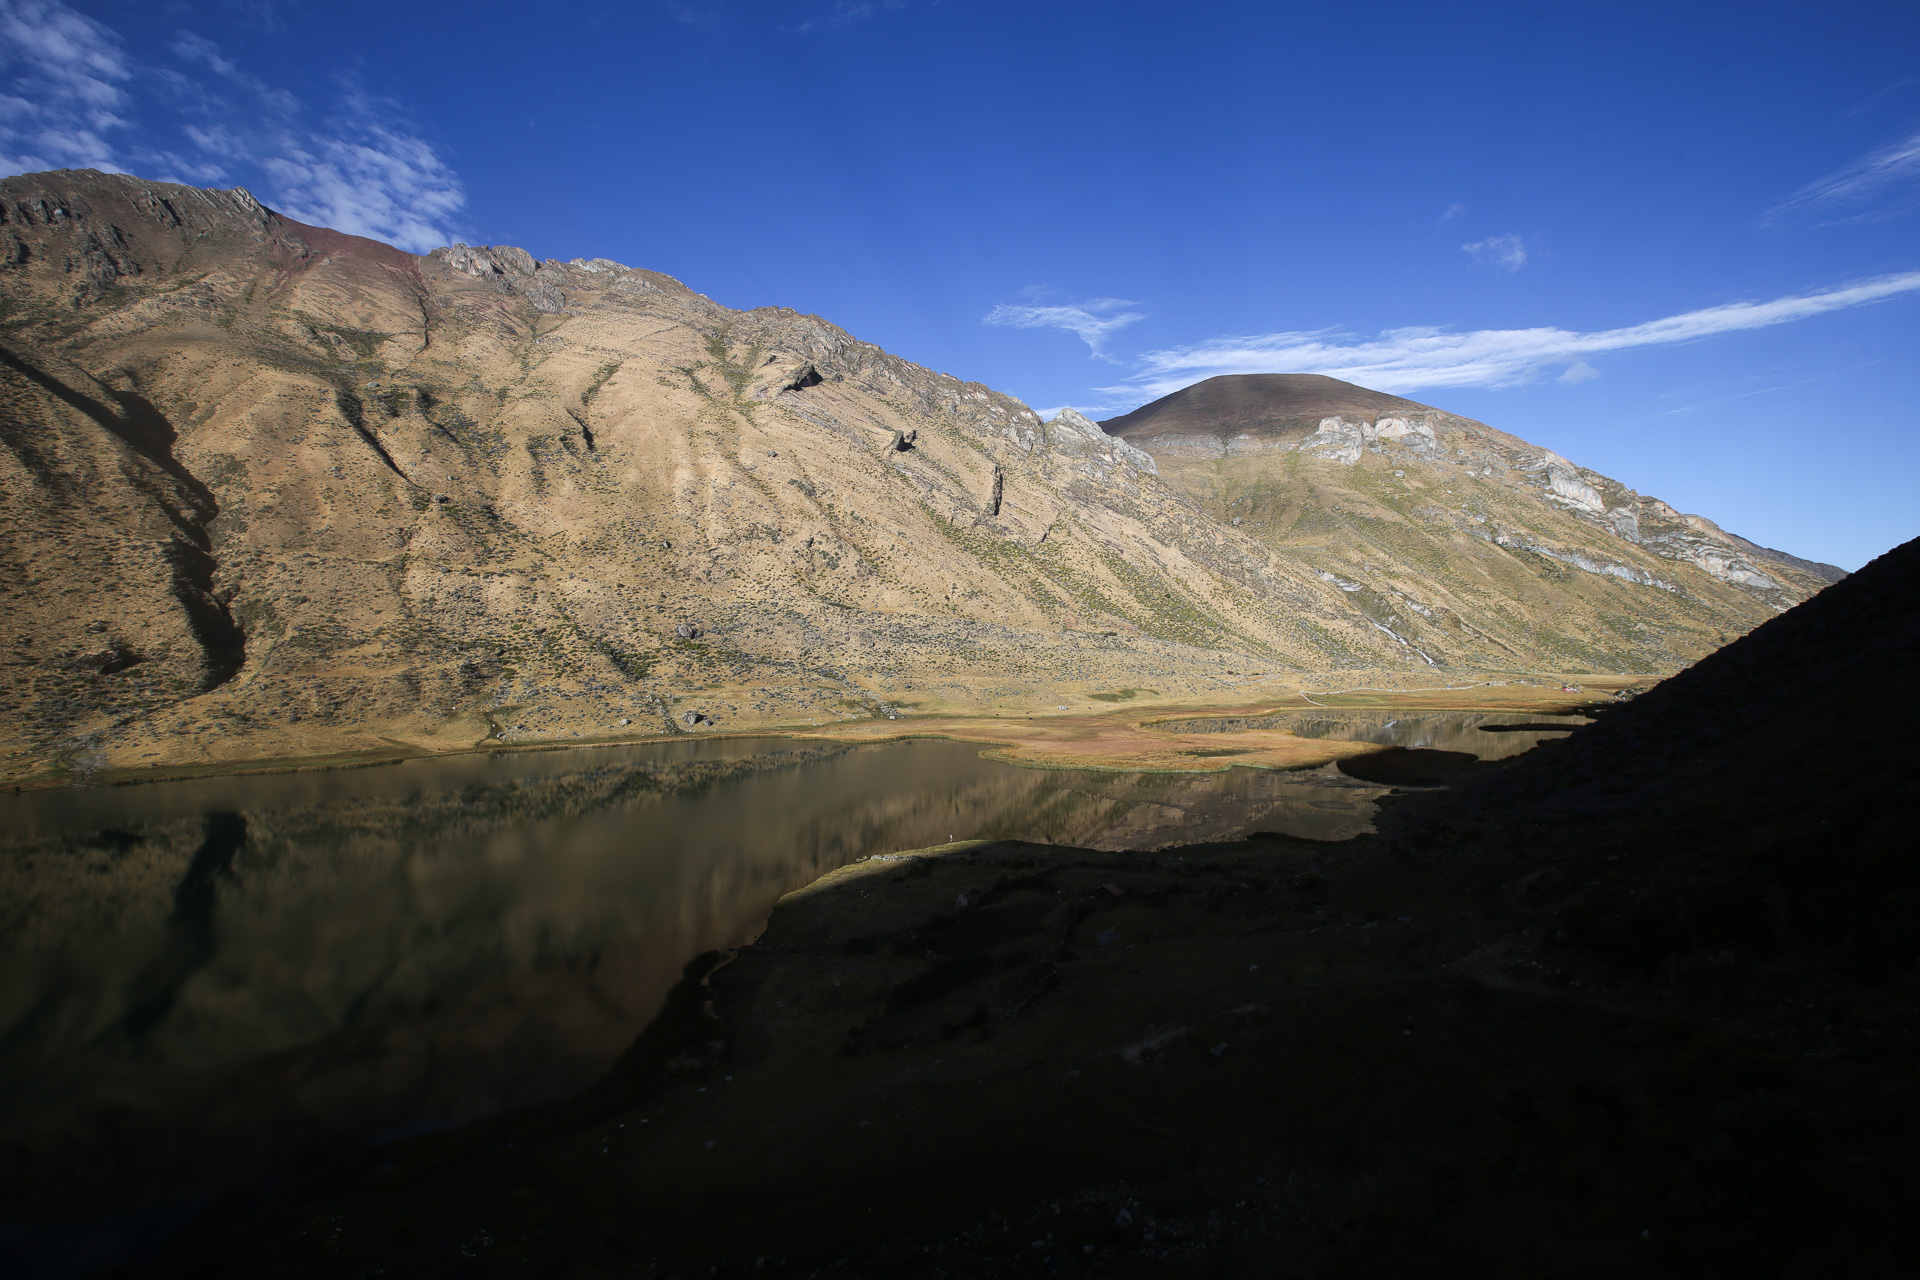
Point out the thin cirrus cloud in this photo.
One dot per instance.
(1878, 186)
(1411, 359)
(845, 13)
(368, 178)
(73, 97)
(1091, 320)
(65, 89)
(1508, 252)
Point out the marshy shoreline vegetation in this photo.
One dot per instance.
(1138, 737)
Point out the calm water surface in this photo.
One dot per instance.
(200, 978)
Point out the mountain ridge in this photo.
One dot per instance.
(278, 492)
(430, 501)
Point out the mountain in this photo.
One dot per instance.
(272, 491)
(1466, 544)
(276, 492)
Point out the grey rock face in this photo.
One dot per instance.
(1411, 433)
(1339, 439)
(545, 298)
(1071, 432)
(1343, 439)
(487, 261)
(1566, 482)
(512, 268)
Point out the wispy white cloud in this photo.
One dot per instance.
(1761, 391)
(1415, 358)
(361, 169)
(365, 175)
(1452, 211)
(1871, 101)
(1876, 187)
(72, 96)
(1508, 252)
(65, 88)
(701, 15)
(845, 13)
(1092, 320)
(194, 48)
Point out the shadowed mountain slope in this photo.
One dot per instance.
(1744, 829)
(1459, 540)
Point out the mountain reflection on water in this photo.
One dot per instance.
(201, 977)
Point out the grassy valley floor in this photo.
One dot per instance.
(1145, 732)
(1206, 736)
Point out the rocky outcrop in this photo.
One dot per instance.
(511, 269)
(803, 377)
(1339, 439)
(1074, 435)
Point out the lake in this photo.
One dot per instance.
(201, 978)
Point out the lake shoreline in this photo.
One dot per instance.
(1123, 740)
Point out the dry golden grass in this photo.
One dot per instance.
(1130, 741)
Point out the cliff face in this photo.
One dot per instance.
(1464, 542)
(272, 490)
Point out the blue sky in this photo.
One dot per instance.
(1679, 244)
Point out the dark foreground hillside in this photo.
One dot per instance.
(1640, 1004)
(1746, 823)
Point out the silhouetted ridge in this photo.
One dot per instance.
(1758, 805)
(1863, 631)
